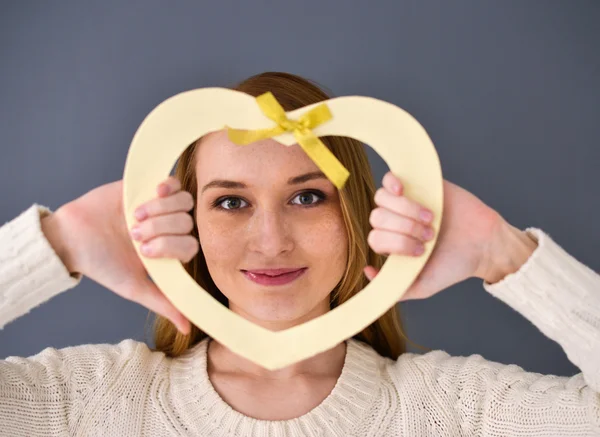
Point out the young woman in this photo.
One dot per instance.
(269, 236)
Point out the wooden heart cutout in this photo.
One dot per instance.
(392, 132)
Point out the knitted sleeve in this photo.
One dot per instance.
(69, 391)
(559, 295)
(30, 271)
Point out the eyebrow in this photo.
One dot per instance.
(222, 183)
(306, 177)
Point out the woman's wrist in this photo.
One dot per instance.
(55, 228)
(513, 249)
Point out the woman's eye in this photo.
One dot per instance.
(232, 203)
(307, 198)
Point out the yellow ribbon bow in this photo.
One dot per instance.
(310, 143)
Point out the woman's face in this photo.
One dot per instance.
(271, 229)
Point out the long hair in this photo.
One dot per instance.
(356, 198)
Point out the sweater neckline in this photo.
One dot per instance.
(200, 409)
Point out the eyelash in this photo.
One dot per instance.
(217, 204)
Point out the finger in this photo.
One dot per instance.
(392, 183)
(182, 248)
(370, 272)
(392, 243)
(180, 201)
(384, 219)
(180, 223)
(169, 186)
(147, 294)
(402, 205)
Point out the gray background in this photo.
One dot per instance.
(509, 91)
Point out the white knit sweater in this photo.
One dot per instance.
(128, 390)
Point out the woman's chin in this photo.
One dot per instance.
(278, 317)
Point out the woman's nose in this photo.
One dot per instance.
(270, 233)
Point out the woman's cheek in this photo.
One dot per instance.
(217, 238)
(327, 236)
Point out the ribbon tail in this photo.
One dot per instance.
(269, 105)
(323, 158)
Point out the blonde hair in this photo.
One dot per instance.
(356, 198)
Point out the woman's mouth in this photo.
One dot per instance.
(274, 276)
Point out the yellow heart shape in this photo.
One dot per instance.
(392, 132)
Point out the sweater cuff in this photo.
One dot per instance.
(561, 296)
(31, 272)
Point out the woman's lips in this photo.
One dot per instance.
(274, 276)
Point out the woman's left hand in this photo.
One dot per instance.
(469, 234)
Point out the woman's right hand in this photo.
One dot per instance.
(97, 243)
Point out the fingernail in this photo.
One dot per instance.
(419, 249)
(426, 215)
(136, 233)
(428, 234)
(396, 188)
(163, 190)
(140, 213)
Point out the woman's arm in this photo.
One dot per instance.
(474, 396)
(32, 263)
(561, 296)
